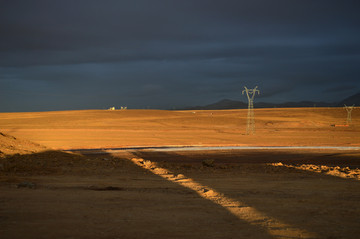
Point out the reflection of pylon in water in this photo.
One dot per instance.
(250, 93)
(349, 109)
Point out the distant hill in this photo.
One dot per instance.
(232, 104)
(352, 100)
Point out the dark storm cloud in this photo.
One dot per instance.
(340, 88)
(133, 30)
(165, 53)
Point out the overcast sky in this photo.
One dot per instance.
(86, 54)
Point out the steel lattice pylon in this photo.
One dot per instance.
(349, 109)
(250, 93)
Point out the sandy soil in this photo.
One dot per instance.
(102, 128)
(45, 193)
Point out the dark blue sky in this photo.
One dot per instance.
(85, 54)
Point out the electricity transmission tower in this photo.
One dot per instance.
(250, 93)
(349, 109)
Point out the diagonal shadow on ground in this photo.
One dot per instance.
(59, 195)
(238, 208)
(303, 199)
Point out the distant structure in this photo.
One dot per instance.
(349, 109)
(250, 93)
(122, 108)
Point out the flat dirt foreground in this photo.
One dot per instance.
(144, 193)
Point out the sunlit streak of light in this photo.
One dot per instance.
(242, 211)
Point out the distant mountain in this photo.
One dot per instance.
(232, 104)
(295, 104)
(352, 100)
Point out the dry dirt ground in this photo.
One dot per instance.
(47, 193)
(119, 128)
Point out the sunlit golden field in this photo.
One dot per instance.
(102, 128)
